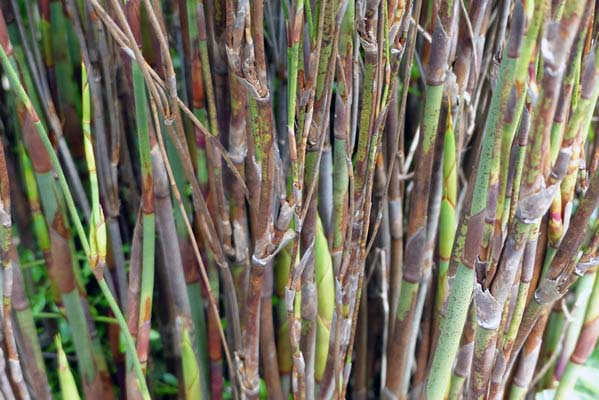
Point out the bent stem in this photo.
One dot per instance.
(20, 91)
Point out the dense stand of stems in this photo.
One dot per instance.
(306, 198)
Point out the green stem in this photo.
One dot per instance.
(20, 92)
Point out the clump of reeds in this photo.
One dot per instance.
(306, 198)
